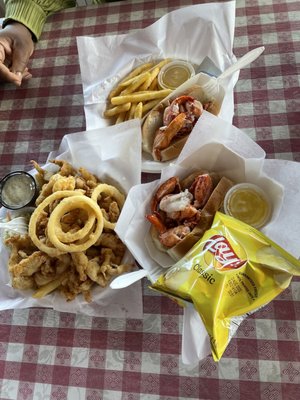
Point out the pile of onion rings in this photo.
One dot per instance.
(67, 242)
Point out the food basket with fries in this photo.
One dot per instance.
(112, 94)
(64, 251)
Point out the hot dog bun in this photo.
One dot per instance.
(214, 203)
(154, 121)
(151, 124)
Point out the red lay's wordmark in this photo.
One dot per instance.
(223, 256)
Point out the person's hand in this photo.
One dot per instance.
(16, 47)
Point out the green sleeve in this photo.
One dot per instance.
(33, 13)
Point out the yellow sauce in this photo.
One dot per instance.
(248, 204)
(174, 74)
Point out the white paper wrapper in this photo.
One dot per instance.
(206, 30)
(226, 149)
(117, 160)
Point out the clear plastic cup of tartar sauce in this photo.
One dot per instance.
(18, 189)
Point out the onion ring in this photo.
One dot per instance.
(51, 251)
(68, 237)
(113, 192)
(67, 205)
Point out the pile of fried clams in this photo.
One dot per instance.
(75, 247)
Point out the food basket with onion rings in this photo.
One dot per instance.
(68, 252)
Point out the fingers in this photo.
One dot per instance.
(8, 72)
(26, 75)
(16, 47)
(20, 58)
(16, 78)
(7, 76)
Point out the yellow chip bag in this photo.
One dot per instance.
(231, 272)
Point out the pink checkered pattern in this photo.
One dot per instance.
(45, 354)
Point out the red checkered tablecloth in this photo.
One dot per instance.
(45, 354)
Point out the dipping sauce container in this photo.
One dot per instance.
(248, 203)
(18, 189)
(174, 74)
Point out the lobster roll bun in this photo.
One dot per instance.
(167, 127)
(181, 211)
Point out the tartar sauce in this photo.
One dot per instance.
(17, 190)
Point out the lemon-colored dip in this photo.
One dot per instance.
(248, 204)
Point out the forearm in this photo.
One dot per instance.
(33, 13)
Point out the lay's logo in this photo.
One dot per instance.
(224, 257)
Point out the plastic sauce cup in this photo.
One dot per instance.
(18, 189)
(248, 203)
(174, 74)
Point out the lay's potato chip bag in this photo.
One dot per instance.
(231, 272)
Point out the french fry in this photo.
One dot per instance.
(121, 117)
(132, 80)
(136, 83)
(49, 287)
(149, 105)
(111, 112)
(140, 96)
(138, 71)
(162, 63)
(153, 70)
(139, 88)
(138, 110)
(131, 111)
(129, 79)
(154, 84)
(115, 91)
(150, 79)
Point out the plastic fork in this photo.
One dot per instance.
(211, 87)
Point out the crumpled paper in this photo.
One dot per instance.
(226, 149)
(116, 160)
(206, 32)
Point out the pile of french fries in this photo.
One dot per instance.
(137, 93)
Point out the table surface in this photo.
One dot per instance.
(46, 354)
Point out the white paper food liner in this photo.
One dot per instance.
(114, 155)
(216, 145)
(206, 32)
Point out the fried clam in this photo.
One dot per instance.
(23, 254)
(80, 261)
(31, 268)
(71, 286)
(21, 247)
(101, 269)
(52, 268)
(66, 169)
(111, 241)
(111, 200)
(63, 179)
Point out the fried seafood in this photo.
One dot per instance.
(71, 244)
